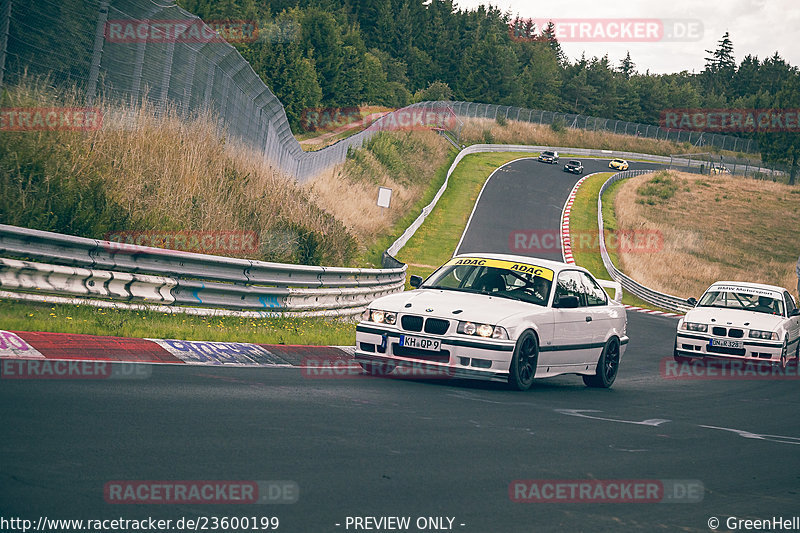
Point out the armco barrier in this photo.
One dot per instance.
(90, 268)
(665, 301)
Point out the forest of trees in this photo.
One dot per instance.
(329, 53)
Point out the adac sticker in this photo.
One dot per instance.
(527, 268)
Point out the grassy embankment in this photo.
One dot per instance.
(584, 231)
(713, 227)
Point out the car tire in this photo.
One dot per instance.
(523, 364)
(377, 369)
(607, 366)
(785, 353)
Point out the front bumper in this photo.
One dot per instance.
(699, 345)
(573, 170)
(460, 356)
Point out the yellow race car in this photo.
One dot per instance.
(618, 164)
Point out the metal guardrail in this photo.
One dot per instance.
(653, 297)
(94, 268)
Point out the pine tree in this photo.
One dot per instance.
(627, 67)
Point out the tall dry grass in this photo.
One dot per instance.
(714, 228)
(402, 161)
(514, 132)
(158, 171)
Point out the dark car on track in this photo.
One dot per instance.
(549, 156)
(574, 166)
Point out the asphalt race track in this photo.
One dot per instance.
(359, 446)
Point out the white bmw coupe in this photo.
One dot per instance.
(499, 317)
(741, 321)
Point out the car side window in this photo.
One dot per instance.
(595, 295)
(790, 306)
(570, 284)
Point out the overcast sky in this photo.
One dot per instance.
(758, 27)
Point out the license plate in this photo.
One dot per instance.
(724, 343)
(420, 343)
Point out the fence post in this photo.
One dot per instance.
(166, 75)
(97, 53)
(5, 25)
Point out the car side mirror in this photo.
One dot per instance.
(692, 302)
(415, 281)
(566, 302)
(795, 312)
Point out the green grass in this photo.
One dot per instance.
(583, 220)
(29, 316)
(435, 242)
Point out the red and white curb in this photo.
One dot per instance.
(566, 247)
(78, 347)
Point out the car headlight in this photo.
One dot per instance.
(694, 326)
(379, 317)
(482, 330)
(765, 335)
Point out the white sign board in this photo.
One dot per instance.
(384, 196)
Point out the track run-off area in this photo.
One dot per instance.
(450, 452)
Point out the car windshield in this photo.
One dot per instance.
(547, 153)
(746, 299)
(575, 163)
(507, 279)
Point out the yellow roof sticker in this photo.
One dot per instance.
(529, 268)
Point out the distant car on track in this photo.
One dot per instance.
(719, 169)
(741, 321)
(549, 156)
(574, 166)
(498, 317)
(618, 164)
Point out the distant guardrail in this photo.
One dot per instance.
(44, 263)
(653, 297)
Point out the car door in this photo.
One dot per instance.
(601, 314)
(572, 335)
(793, 323)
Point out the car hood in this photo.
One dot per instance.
(443, 303)
(737, 318)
